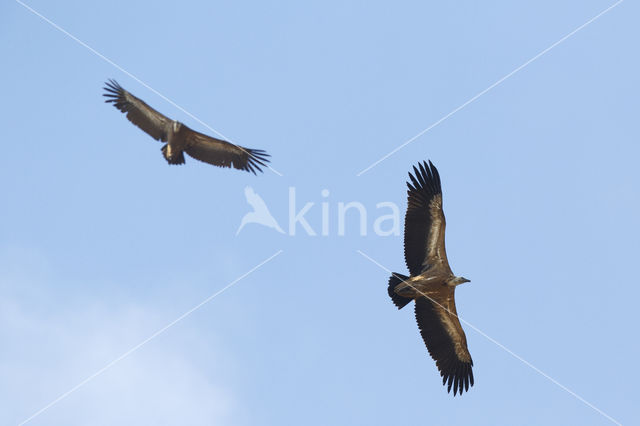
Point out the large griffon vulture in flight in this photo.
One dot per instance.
(181, 138)
(431, 283)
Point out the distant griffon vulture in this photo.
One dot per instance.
(431, 283)
(181, 138)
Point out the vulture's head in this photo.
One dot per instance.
(457, 281)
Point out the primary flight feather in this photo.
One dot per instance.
(180, 138)
(431, 283)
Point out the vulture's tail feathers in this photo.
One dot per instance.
(398, 300)
(175, 158)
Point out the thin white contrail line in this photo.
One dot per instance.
(101, 56)
(489, 88)
(500, 345)
(145, 341)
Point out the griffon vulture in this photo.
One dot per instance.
(431, 283)
(181, 138)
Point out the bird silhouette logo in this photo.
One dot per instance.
(260, 214)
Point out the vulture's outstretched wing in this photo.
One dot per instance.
(424, 222)
(224, 154)
(446, 342)
(138, 112)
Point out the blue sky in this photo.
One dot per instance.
(102, 243)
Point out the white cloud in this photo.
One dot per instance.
(50, 344)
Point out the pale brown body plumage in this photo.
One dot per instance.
(431, 282)
(181, 138)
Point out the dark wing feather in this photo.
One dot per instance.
(424, 222)
(446, 341)
(138, 112)
(224, 154)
